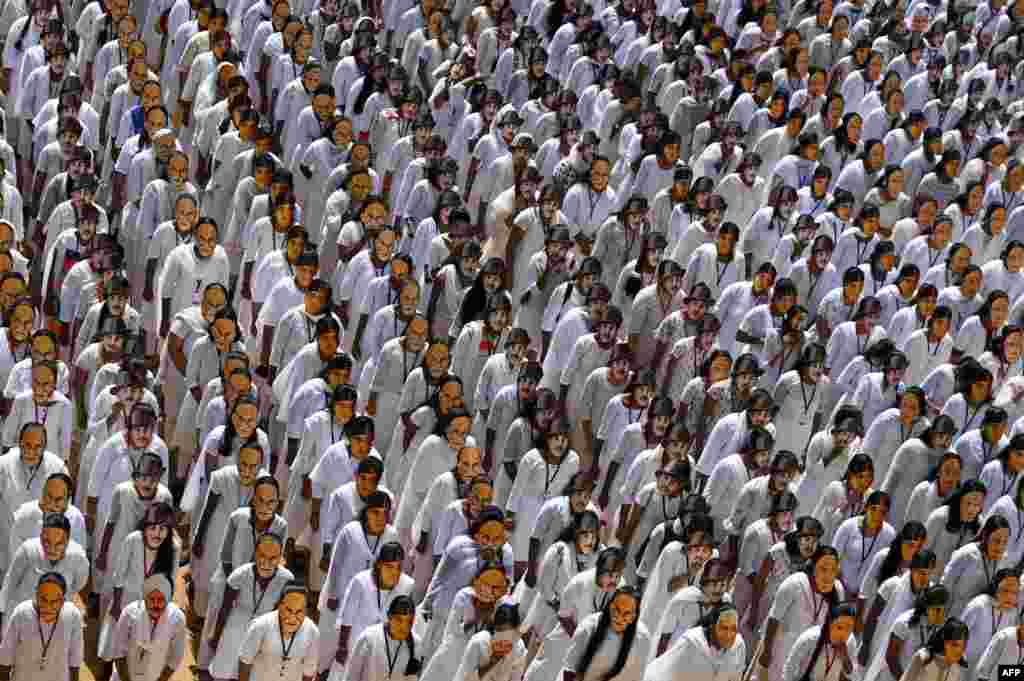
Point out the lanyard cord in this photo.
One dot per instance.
(32, 477)
(871, 547)
(44, 640)
(286, 649)
(720, 272)
(548, 479)
(147, 565)
(996, 622)
(803, 396)
(257, 602)
(392, 661)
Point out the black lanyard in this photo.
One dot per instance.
(405, 363)
(35, 471)
(969, 417)
(720, 272)
(818, 604)
(595, 200)
(286, 649)
(598, 607)
(803, 396)
(996, 622)
(548, 479)
(376, 543)
(257, 601)
(813, 280)
(44, 640)
(392, 661)
(335, 438)
(1006, 486)
(864, 555)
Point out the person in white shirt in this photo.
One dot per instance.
(282, 644)
(25, 653)
(708, 651)
(387, 650)
(150, 639)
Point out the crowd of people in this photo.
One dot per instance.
(508, 340)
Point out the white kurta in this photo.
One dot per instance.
(274, 659)
(354, 551)
(536, 482)
(149, 648)
(23, 648)
(252, 600)
(701, 661)
(29, 563)
(371, 659)
(797, 607)
(478, 655)
(608, 652)
(365, 604)
(20, 484)
(799, 658)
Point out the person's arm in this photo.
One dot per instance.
(344, 633)
(294, 444)
(587, 426)
(116, 603)
(118, 190)
(771, 630)
(268, 343)
(212, 500)
(613, 469)
(314, 514)
(230, 597)
(474, 167)
(629, 518)
(745, 337)
(122, 667)
(892, 656)
(91, 505)
(515, 237)
(870, 624)
(357, 339)
(108, 536)
(175, 345)
(435, 296)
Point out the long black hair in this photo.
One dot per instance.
(227, 441)
(165, 563)
(434, 399)
(597, 638)
(891, 565)
(926, 600)
(952, 630)
(823, 551)
(955, 523)
(834, 613)
(403, 605)
(118, 283)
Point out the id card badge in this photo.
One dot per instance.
(197, 294)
